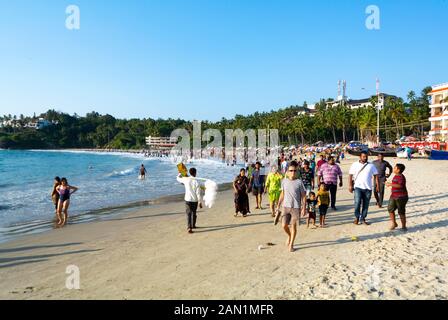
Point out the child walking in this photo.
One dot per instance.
(399, 197)
(323, 198)
(311, 205)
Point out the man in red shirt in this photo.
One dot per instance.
(321, 161)
(398, 198)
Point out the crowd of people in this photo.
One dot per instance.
(298, 187)
(303, 188)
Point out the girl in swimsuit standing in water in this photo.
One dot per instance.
(64, 200)
(55, 195)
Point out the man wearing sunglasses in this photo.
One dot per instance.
(293, 202)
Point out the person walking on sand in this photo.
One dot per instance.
(55, 195)
(361, 175)
(381, 166)
(323, 202)
(313, 165)
(142, 172)
(241, 188)
(328, 175)
(321, 161)
(193, 197)
(284, 166)
(293, 204)
(399, 197)
(311, 205)
(307, 176)
(274, 188)
(65, 191)
(409, 153)
(257, 185)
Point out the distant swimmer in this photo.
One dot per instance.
(143, 172)
(65, 191)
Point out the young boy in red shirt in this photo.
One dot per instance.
(399, 197)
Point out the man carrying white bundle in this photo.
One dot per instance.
(193, 197)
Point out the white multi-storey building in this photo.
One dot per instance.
(439, 113)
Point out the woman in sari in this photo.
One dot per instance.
(241, 188)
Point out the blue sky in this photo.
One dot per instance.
(207, 59)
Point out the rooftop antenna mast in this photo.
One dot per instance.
(344, 90)
(339, 89)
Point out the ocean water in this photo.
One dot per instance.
(105, 181)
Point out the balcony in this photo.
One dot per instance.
(440, 105)
(438, 115)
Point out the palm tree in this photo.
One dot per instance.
(396, 112)
(355, 121)
(326, 117)
(411, 96)
(330, 123)
(343, 116)
(301, 125)
(368, 119)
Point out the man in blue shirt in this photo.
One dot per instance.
(257, 185)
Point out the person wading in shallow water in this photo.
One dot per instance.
(142, 172)
(55, 196)
(65, 191)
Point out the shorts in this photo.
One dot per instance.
(399, 204)
(274, 196)
(257, 190)
(290, 216)
(312, 215)
(323, 208)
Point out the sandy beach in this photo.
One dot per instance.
(148, 254)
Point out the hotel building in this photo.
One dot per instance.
(439, 113)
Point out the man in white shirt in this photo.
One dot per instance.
(360, 182)
(193, 197)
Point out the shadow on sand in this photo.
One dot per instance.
(15, 261)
